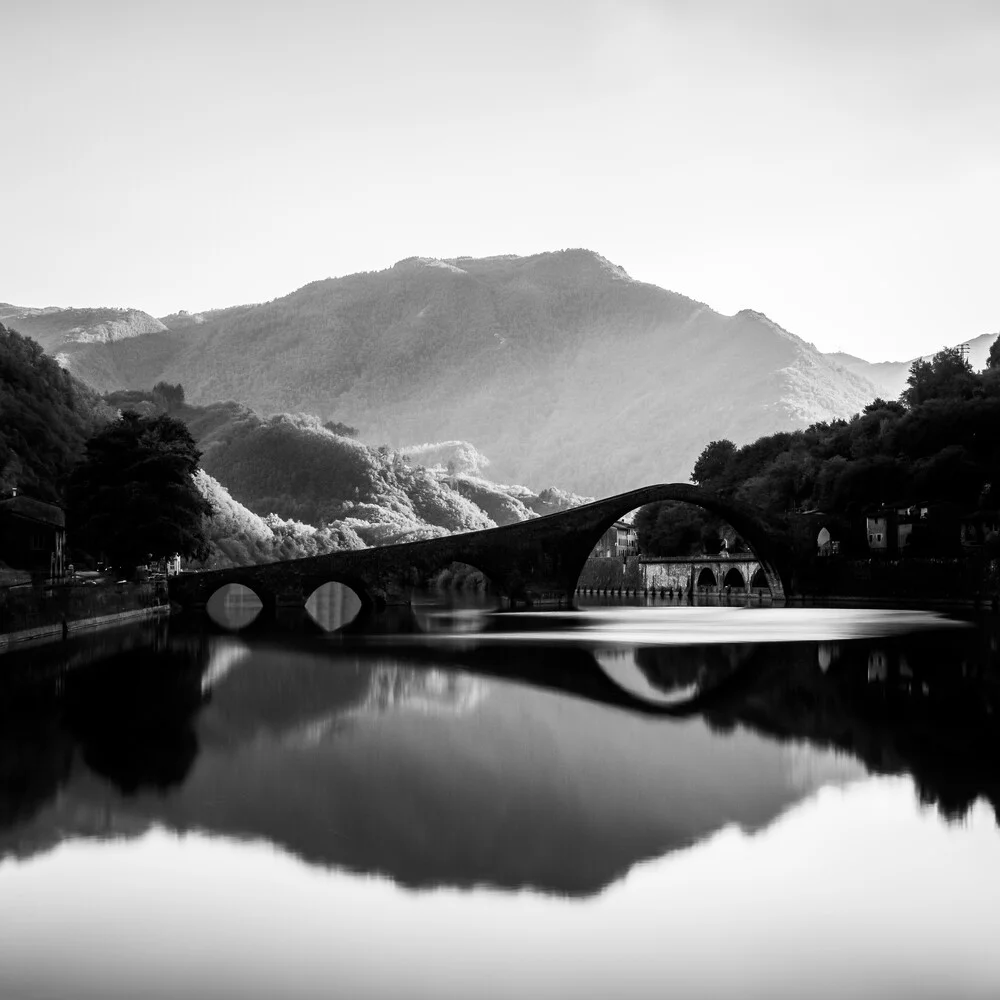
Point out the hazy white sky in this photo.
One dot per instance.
(835, 165)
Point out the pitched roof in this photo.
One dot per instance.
(34, 510)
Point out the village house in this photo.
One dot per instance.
(618, 542)
(32, 537)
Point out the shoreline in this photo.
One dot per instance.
(41, 634)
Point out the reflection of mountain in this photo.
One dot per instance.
(432, 775)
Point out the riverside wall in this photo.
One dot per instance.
(37, 612)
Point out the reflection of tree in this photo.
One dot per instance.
(130, 716)
(930, 711)
(133, 718)
(35, 759)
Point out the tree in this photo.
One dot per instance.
(993, 361)
(948, 375)
(712, 462)
(170, 397)
(133, 496)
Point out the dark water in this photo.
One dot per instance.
(619, 802)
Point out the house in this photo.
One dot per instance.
(33, 536)
(618, 542)
(890, 528)
(877, 529)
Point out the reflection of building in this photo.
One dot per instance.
(618, 542)
(32, 536)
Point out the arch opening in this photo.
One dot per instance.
(455, 597)
(678, 529)
(706, 578)
(734, 579)
(333, 605)
(759, 580)
(233, 606)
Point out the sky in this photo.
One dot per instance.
(833, 165)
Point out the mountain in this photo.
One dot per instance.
(889, 377)
(559, 366)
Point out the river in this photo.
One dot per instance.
(616, 801)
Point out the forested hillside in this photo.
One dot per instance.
(303, 488)
(299, 470)
(937, 447)
(45, 418)
(555, 365)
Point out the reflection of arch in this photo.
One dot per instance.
(706, 578)
(758, 580)
(333, 604)
(734, 579)
(234, 606)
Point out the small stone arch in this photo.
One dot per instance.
(706, 578)
(759, 580)
(734, 579)
(459, 558)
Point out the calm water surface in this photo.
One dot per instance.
(614, 802)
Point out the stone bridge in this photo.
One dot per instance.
(529, 562)
(734, 572)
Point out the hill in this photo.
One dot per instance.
(559, 366)
(286, 474)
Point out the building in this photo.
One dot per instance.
(826, 544)
(890, 528)
(618, 542)
(33, 536)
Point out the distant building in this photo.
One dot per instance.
(877, 527)
(826, 544)
(890, 528)
(33, 536)
(618, 542)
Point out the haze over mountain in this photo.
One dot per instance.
(558, 366)
(889, 377)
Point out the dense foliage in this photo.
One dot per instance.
(938, 445)
(238, 537)
(133, 496)
(45, 418)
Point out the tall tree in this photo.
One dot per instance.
(948, 375)
(712, 462)
(993, 361)
(133, 497)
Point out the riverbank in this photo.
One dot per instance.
(49, 633)
(52, 612)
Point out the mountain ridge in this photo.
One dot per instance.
(559, 365)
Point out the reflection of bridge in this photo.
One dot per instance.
(529, 562)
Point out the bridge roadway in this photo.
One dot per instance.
(532, 562)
